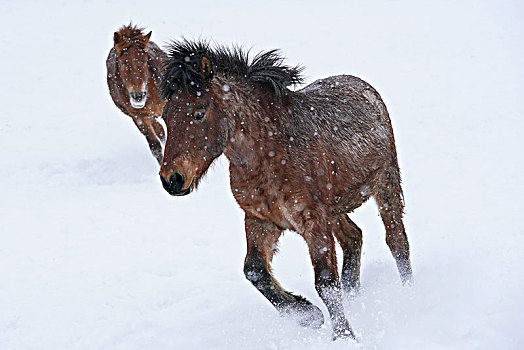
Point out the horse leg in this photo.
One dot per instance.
(262, 238)
(389, 198)
(349, 235)
(323, 256)
(159, 130)
(144, 125)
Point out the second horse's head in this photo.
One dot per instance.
(130, 46)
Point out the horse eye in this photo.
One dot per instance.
(199, 115)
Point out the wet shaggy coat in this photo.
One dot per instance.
(299, 160)
(124, 76)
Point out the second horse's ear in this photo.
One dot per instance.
(206, 68)
(147, 37)
(116, 38)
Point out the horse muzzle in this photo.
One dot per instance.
(138, 99)
(174, 184)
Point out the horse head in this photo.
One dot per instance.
(132, 60)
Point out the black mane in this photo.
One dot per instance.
(183, 69)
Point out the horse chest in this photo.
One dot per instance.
(270, 202)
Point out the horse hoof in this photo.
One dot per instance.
(351, 292)
(342, 330)
(304, 313)
(344, 334)
(310, 317)
(407, 280)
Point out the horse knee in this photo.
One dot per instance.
(326, 281)
(251, 273)
(255, 269)
(355, 243)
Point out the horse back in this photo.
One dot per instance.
(347, 120)
(347, 91)
(341, 110)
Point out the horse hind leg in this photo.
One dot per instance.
(349, 236)
(389, 198)
(262, 238)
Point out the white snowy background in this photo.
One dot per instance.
(94, 254)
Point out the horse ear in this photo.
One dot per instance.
(206, 68)
(116, 38)
(147, 36)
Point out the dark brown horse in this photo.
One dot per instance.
(299, 160)
(134, 71)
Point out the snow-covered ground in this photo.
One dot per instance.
(94, 254)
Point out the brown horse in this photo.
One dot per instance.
(299, 160)
(134, 71)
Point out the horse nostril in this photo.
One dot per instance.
(164, 183)
(174, 184)
(138, 96)
(177, 181)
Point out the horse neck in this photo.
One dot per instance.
(154, 67)
(153, 62)
(253, 131)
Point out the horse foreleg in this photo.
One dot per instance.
(349, 235)
(321, 246)
(144, 124)
(159, 130)
(262, 238)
